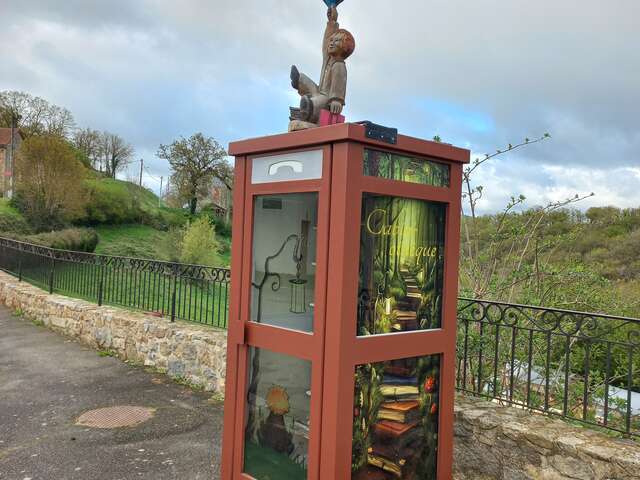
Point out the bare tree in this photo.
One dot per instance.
(495, 266)
(34, 115)
(115, 153)
(87, 141)
(195, 161)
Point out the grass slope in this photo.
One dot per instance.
(111, 201)
(141, 241)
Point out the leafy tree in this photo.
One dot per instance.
(49, 182)
(115, 153)
(195, 162)
(34, 115)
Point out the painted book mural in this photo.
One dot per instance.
(401, 265)
(395, 419)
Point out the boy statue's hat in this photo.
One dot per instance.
(333, 3)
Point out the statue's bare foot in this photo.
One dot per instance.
(295, 77)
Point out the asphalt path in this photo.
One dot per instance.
(48, 381)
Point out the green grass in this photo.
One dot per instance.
(225, 252)
(115, 202)
(196, 301)
(185, 382)
(11, 220)
(6, 208)
(140, 241)
(143, 241)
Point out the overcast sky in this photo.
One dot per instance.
(480, 74)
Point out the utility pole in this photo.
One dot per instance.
(160, 196)
(12, 178)
(141, 167)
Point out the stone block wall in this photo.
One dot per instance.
(184, 350)
(492, 442)
(504, 443)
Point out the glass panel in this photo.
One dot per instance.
(287, 167)
(401, 265)
(405, 169)
(284, 260)
(277, 427)
(395, 419)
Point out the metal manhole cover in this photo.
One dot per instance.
(115, 417)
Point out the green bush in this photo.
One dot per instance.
(199, 244)
(170, 247)
(74, 239)
(167, 218)
(11, 220)
(222, 227)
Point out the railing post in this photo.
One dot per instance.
(51, 272)
(19, 265)
(101, 285)
(173, 294)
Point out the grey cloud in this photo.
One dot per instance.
(156, 69)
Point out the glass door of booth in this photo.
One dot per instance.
(284, 260)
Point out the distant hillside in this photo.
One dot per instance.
(565, 258)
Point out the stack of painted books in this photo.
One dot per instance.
(406, 319)
(396, 438)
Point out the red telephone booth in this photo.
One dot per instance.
(342, 325)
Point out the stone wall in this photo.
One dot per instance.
(184, 350)
(504, 443)
(492, 442)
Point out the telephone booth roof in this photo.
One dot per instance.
(346, 132)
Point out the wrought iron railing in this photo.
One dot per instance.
(581, 366)
(178, 291)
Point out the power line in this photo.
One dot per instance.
(150, 174)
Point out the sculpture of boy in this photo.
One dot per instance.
(330, 93)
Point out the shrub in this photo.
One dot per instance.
(170, 247)
(167, 218)
(199, 244)
(74, 239)
(222, 227)
(11, 220)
